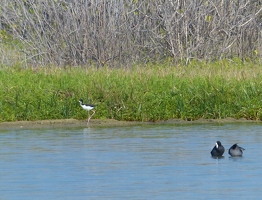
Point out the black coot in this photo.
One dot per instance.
(218, 149)
(236, 150)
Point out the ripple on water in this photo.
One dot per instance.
(137, 162)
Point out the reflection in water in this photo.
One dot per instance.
(137, 162)
(218, 157)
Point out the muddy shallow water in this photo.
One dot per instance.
(108, 122)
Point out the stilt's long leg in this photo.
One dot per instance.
(88, 117)
(91, 115)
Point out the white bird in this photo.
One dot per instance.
(87, 107)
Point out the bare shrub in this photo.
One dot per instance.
(119, 32)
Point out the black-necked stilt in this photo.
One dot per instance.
(218, 149)
(236, 150)
(87, 107)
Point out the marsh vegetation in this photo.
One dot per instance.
(142, 93)
(135, 60)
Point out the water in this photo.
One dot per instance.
(138, 162)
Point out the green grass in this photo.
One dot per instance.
(142, 93)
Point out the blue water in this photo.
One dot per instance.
(137, 162)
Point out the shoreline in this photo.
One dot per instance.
(67, 123)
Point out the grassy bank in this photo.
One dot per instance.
(144, 93)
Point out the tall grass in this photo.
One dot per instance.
(142, 93)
